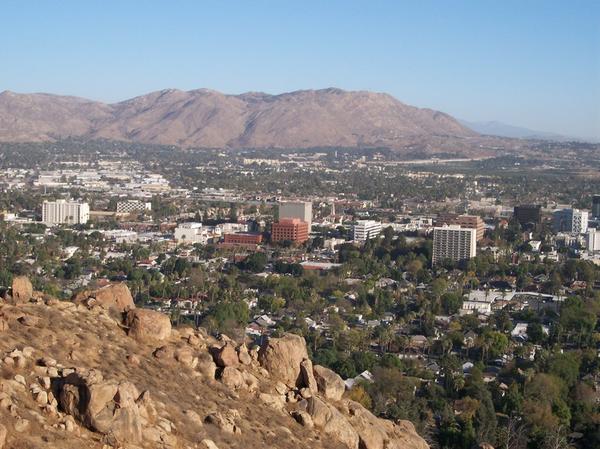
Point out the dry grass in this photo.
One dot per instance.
(86, 339)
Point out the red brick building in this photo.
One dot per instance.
(243, 238)
(464, 221)
(294, 230)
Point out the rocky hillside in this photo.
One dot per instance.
(97, 372)
(209, 119)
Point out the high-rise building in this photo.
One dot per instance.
(465, 221)
(593, 240)
(596, 206)
(528, 215)
(366, 229)
(301, 210)
(453, 243)
(290, 229)
(572, 221)
(65, 212)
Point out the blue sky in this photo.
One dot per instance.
(527, 63)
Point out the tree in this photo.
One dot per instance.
(535, 333)
(255, 262)
(359, 394)
(451, 303)
(566, 367)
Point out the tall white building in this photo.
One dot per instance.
(65, 212)
(573, 221)
(366, 229)
(593, 240)
(453, 243)
(301, 210)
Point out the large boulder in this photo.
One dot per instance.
(22, 290)
(232, 378)
(329, 384)
(226, 422)
(114, 296)
(308, 377)
(329, 419)
(226, 355)
(376, 433)
(206, 366)
(148, 326)
(282, 357)
(106, 407)
(2, 435)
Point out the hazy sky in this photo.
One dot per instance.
(527, 63)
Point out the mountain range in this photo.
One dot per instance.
(208, 119)
(495, 128)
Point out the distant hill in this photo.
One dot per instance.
(500, 129)
(210, 119)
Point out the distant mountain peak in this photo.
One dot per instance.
(497, 128)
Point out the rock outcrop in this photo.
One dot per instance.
(332, 422)
(375, 433)
(87, 377)
(113, 296)
(148, 326)
(22, 290)
(106, 407)
(226, 355)
(308, 376)
(282, 357)
(3, 433)
(329, 383)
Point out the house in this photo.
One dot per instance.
(467, 367)
(469, 339)
(433, 367)
(418, 342)
(264, 321)
(490, 374)
(312, 324)
(519, 332)
(365, 376)
(481, 301)
(254, 330)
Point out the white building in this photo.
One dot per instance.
(366, 229)
(481, 301)
(65, 212)
(573, 221)
(593, 240)
(520, 330)
(301, 210)
(453, 243)
(121, 235)
(129, 206)
(191, 233)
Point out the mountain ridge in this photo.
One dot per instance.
(208, 118)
